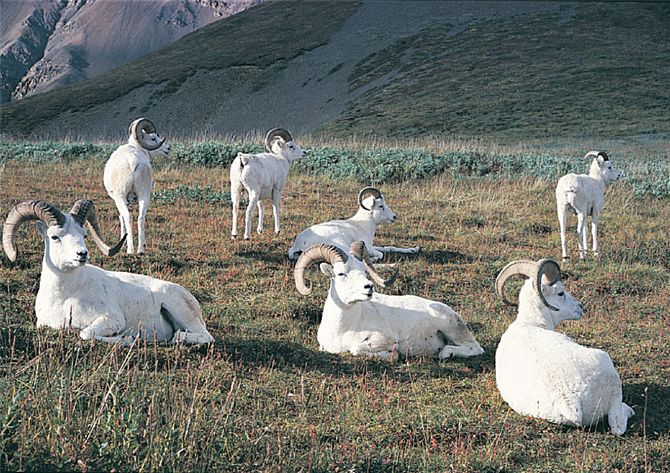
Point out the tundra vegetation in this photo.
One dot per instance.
(263, 397)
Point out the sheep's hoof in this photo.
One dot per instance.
(259, 231)
(246, 237)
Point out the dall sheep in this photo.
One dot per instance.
(360, 321)
(128, 177)
(114, 307)
(372, 211)
(262, 176)
(545, 374)
(584, 195)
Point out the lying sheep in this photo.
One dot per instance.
(262, 176)
(128, 177)
(372, 211)
(545, 374)
(104, 305)
(360, 321)
(584, 195)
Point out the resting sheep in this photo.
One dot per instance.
(372, 211)
(585, 195)
(545, 374)
(104, 305)
(262, 176)
(128, 177)
(360, 321)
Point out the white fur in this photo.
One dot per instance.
(107, 305)
(262, 176)
(545, 374)
(360, 321)
(128, 180)
(342, 233)
(584, 195)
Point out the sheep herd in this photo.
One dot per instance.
(539, 372)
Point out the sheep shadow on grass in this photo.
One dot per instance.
(656, 398)
(446, 256)
(290, 356)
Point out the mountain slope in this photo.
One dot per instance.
(509, 71)
(47, 44)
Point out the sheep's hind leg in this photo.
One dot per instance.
(235, 198)
(141, 223)
(253, 200)
(581, 232)
(127, 224)
(276, 203)
(594, 234)
(562, 222)
(261, 215)
(397, 249)
(461, 351)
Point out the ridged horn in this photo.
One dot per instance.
(23, 212)
(549, 268)
(83, 212)
(330, 254)
(360, 252)
(142, 127)
(524, 267)
(275, 133)
(365, 191)
(596, 154)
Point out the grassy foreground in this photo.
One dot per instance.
(263, 398)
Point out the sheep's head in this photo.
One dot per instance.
(543, 288)
(143, 134)
(280, 141)
(348, 273)
(371, 200)
(63, 234)
(602, 167)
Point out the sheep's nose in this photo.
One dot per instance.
(82, 254)
(368, 286)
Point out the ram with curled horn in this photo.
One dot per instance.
(358, 320)
(372, 212)
(545, 374)
(128, 178)
(103, 305)
(263, 177)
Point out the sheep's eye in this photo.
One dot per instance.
(341, 274)
(55, 238)
(561, 293)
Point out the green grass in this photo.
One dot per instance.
(264, 398)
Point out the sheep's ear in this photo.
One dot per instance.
(41, 229)
(327, 269)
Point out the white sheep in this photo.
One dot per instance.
(262, 176)
(584, 195)
(104, 305)
(360, 321)
(128, 177)
(372, 211)
(545, 374)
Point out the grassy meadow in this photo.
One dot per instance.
(263, 397)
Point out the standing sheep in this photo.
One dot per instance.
(584, 195)
(128, 177)
(262, 176)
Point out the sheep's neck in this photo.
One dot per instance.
(55, 281)
(596, 175)
(363, 219)
(334, 311)
(532, 313)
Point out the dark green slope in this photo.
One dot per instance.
(603, 72)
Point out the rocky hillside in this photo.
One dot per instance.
(45, 44)
(505, 71)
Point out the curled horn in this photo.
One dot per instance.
(83, 212)
(140, 128)
(365, 191)
(530, 269)
(273, 135)
(28, 210)
(360, 252)
(524, 267)
(549, 268)
(597, 154)
(317, 254)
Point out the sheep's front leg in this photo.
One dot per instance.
(594, 234)
(376, 346)
(253, 200)
(581, 235)
(141, 223)
(103, 328)
(235, 198)
(562, 222)
(396, 249)
(462, 351)
(261, 215)
(276, 202)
